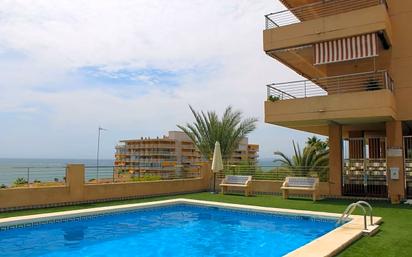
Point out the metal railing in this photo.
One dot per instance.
(358, 82)
(274, 172)
(365, 167)
(351, 208)
(152, 152)
(407, 146)
(370, 167)
(151, 159)
(121, 174)
(316, 10)
(150, 146)
(33, 177)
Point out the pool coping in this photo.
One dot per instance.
(325, 246)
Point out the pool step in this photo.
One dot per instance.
(371, 230)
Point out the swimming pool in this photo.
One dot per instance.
(175, 229)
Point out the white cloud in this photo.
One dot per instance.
(54, 39)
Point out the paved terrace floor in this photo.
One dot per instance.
(394, 239)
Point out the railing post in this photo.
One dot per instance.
(28, 177)
(386, 80)
(97, 174)
(365, 164)
(304, 83)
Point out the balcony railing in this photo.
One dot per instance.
(367, 81)
(149, 146)
(316, 10)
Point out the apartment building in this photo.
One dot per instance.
(171, 151)
(245, 153)
(355, 57)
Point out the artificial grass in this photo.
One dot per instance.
(394, 239)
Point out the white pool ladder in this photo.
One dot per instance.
(351, 208)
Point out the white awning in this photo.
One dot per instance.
(345, 49)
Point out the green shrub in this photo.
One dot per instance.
(3, 186)
(147, 178)
(20, 181)
(121, 171)
(273, 98)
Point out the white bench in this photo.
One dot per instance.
(243, 182)
(301, 184)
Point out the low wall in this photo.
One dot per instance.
(22, 197)
(143, 189)
(76, 191)
(273, 187)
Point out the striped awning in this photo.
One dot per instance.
(345, 49)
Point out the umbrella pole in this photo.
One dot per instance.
(214, 182)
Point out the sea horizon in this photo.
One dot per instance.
(45, 168)
(13, 168)
(34, 161)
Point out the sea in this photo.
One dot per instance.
(41, 169)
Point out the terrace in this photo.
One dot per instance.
(366, 97)
(104, 184)
(358, 82)
(393, 240)
(327, 38)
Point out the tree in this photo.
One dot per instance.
(209, 128)
(318, 143)
(312, 160)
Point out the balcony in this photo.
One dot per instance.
(316, 10)
(291, 36)
(312, 104)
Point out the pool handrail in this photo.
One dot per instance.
(351, 208)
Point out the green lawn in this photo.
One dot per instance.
(394, 239)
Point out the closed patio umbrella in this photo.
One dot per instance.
(217, 163)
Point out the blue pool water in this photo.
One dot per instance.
(172, 231)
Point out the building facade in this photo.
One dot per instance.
(355, 58)
(171, 151)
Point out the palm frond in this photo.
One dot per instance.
(229, 130)
(312, 160)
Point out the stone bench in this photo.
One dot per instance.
(304, 184)
(236, 181)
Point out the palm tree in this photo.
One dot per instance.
(209, 128)
(318, 143)
(311, 161)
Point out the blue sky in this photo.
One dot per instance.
(132, 67)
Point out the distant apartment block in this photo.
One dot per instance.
(171, 151)
(245, 153)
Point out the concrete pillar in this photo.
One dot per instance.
(335, 160)
(396, 187)
(75, 181)
(207, 175)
